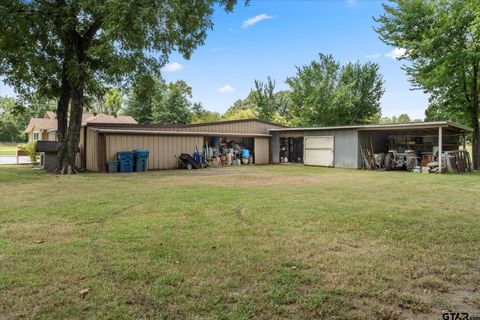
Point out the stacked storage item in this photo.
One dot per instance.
(126, 161)
(141, 160)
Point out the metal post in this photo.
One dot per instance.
(440, 149)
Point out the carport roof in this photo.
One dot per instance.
(386, 127)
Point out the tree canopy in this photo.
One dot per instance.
(83, 46)
(325, 93)
(442, 43)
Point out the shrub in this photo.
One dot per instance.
(29, 148)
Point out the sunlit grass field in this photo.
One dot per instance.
(250, 242)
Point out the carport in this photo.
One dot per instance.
(342, 146)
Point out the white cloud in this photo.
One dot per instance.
(172, 67)
(226, 88)
(250, 22)
(396, 53)
(373, 56)
(352, 3)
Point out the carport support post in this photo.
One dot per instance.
(440, 149)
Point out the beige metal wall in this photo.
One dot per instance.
(251, 126)
(163, 149)
(91, 150)
(262, 151)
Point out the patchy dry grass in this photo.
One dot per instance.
(239, 243)
(8, 149)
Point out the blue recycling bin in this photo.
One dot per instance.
(141, 160)
(125, 159)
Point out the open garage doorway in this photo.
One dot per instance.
(291, 150)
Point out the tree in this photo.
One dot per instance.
(403, 118)
(141, 95)
(266, 103)
(441, 40)
(324, 93)
(15, 114)
(198, 114)
(173, 105)
(81, 46)
(239, 107)
(238, 114)
(10, 131)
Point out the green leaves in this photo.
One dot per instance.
(442, 39)
(324, 93)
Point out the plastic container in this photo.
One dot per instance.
(141, 160)
(216, 142)
(245, 153)
(125, 160)
(126, 165)
(112, 166)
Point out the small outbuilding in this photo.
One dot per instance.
(48, 154)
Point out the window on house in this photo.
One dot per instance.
(35, 136)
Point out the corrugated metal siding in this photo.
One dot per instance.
(345, 146)
(245, 127)
(91, 149)
(163, 149)
(262, 151)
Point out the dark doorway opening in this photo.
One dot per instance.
(291, 150)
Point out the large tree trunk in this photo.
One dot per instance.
(77, 86)
(74, 126)
(62, 120)
(475, 120)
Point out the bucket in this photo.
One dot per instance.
(245, 160)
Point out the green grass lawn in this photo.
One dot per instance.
(8, 149)
(264, 242)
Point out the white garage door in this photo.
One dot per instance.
(318, 151)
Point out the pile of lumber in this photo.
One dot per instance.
(368, 158)
(458, 161)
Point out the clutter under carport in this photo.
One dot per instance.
(412, 153)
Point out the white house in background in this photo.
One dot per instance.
(46, 128)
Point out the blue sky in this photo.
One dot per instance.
(281, 35)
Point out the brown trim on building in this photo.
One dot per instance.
(84, 155)
(101, 153)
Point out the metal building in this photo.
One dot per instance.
(102, 141)
(340, 146)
